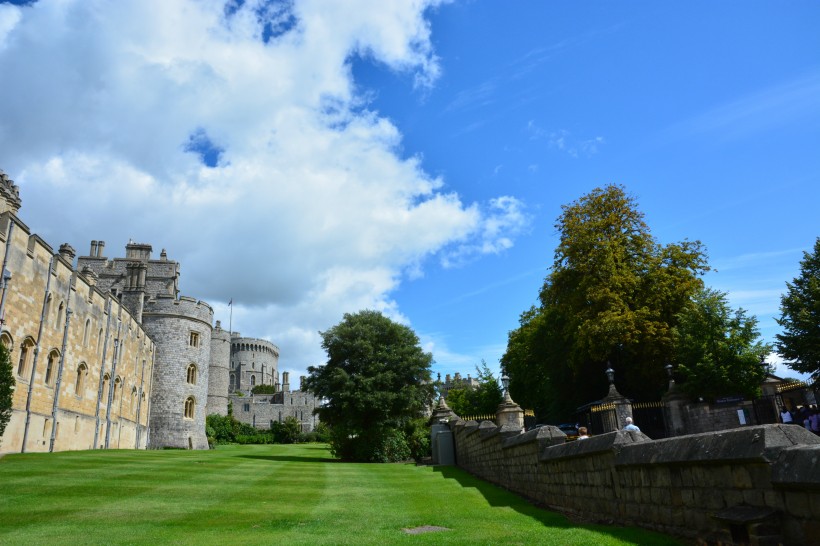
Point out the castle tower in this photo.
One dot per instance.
(253, 362)
(219, 373)
(9, 195)
(181, 330)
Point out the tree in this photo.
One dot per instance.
(611, 298)
(6, 388)
(480, 400)
(717, 350)
(375, 382)
(800, 317)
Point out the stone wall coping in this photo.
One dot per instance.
(799, 462)
(611, 442)
(469, 426)
(488, 429)
(544, 436)
(762, 443)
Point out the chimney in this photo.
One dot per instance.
(93, 249)
(285, 384)
(67, 252)
(100, 247)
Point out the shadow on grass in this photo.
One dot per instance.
(290, 458)
(496, 496)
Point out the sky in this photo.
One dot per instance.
(307, 159)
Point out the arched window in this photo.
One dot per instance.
(106, 382)
(5, 339)
(233, 381)
(87, 332)
(26, 350)
(117, 388)
(99, 342)
(253, 380)
(192, 374)
(189, 407)
(51, 367)
(79, 383)
(134, 400)
(60, 311)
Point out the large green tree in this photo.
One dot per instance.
(611, 298)
(718, 350)
(800, 317)
(6, 388)
(480, 400)
(375, 383)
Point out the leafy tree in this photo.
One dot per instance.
(376, 380)
(286, 432)
(479, 400)
(611, 298)
(6, 388)
(264, 389)
(800, 317)
(718, 350)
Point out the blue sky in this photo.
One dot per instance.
(313, 158)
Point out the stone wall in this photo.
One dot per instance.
(759, 484)
(253, 362)
(260, 410)
(218, 372)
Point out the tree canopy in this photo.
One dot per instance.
(6, 388)
(717, 350)
(800, 317)
(480, 400)
(375, 383)
(611, 298)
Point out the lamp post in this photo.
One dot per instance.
(610, 373)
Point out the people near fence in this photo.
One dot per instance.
(786, 416)
(630, 426)
(583, 434)
(814, 420)
(802, 417)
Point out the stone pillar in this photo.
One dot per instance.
(674, 403)
(623, 408)
(509, 415)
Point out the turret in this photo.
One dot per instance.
(9, 194)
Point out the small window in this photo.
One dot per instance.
(189, 407)
(25, 357)
(247, 407)
(99, 342)
(253, 380)
(192, 374)
(51, 367)
(87, 332)
(79, 383)
(193, 340)
(5, 340)
(106, 381)
(117, 389)
(60, 314)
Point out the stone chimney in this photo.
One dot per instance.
(67, 251)
(285, 384)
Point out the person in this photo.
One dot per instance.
(814, 420)
(630, 426)
(582, 433)
(786, 416)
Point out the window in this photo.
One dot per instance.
(117, 388)
(253, 380)
(60, 311)
(247, 407)
(189, 407)
(86, 332)
(192, 374)
(193, 341)
(79, 383)
(134, 400)
(51, 367)
(5, 340)
(99, 342)
(26, 350)
(106, 381)
(233, 381)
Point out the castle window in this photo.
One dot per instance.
(247, 407)
(253, 380)
(5, 340)
(193, 340)
(233, 381)
(99, 342)
(86, 332)
(189, 407)
(79, 383)
(134, 400)
(51, 367)
(26, 350)
(106, 381)
(192, 374)
(117, 388)
(60, 311)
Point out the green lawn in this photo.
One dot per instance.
(266, 495)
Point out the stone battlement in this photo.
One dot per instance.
(184, 306)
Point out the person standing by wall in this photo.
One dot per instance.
(630, 426)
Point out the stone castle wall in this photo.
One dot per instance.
(181, 330)
(260, 410)
(759, 481)
(253, 362)
(58, 325)
(218, 373)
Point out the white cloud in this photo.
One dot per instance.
(310, 210)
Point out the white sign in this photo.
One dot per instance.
(741, 417)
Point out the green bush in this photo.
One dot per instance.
(286, 432)
(384, 445)
(418, 438)
(264, 389)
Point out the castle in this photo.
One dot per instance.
(108, 354)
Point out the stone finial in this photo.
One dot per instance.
(67, 251)
(90, 276)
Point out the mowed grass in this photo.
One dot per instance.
(273, 494)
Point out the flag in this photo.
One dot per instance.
(230, 303)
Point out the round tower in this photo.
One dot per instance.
(218, 372)
(181, 331)
(253, 362)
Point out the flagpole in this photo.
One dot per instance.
(230, 320)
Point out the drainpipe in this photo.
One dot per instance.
(111, 387)
(139, 404)
(68, 313)
(36, 354)
(102, 373)
(151, 392)
(4, 280)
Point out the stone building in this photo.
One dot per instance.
(109, 354)
(259, 410)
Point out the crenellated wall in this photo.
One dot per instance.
(760, 484)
